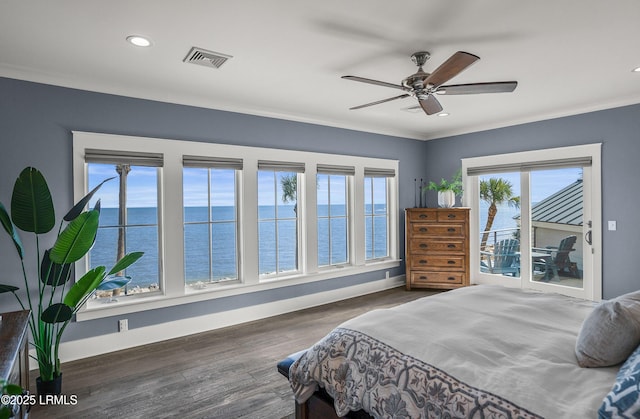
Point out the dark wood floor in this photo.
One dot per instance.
(226, 373)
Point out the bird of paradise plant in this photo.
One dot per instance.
(57, 299)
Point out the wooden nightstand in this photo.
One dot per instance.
(14, 351)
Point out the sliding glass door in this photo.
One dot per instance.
(534, 224)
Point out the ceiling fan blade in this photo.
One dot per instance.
(430, 105)
(451, 68)
(379, 102)
(476, 88)
(371, 81)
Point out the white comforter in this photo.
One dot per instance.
(481, 351)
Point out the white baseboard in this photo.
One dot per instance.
(98, 345)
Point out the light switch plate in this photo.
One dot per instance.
(612, 226)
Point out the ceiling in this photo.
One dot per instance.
(568, 56)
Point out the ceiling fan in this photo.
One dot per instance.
(423, 86)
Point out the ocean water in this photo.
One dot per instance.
(142, 235)
(504, 220)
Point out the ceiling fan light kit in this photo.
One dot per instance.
(423, 85)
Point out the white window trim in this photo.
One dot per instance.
(550, 154)
(172, 239)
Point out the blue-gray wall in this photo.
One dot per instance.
(35, 130)
(619, 132)
(36, 121)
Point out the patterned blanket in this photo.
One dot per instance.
(360, 372)
(476, 352)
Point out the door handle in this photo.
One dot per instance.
(588, 237)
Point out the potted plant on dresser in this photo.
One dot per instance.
(53, 301)
(447, 189)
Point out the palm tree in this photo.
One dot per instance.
(289, 185)
(122, 170)
(496, 191)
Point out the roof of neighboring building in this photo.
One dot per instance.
(563, 207)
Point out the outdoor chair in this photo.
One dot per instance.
(558, 260)
(504, 259)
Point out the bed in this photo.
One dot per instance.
(475, 352)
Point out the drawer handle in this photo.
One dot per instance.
(422, 261)
(451, 216)
(423, 216)
(451, 246)
(423, 229)
(423, 277)
(423, 245)
(451, 262)
(451, 229)
(451, 278)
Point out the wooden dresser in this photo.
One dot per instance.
(437, 247)
(14, 352)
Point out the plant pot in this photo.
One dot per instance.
(49, 387)
(446, 199)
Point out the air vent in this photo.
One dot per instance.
(206, 58)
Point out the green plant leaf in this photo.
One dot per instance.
(114, 282)
(85, 285)
(7, 288)
(31, 203)
(125, 262)
(10, 229)
(13, 389)
(76, 239)
(79, 207)
(52, 273)
(57, 313)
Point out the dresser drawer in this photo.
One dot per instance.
(451, 216)
(427, 278)
(437, 262)
(439, 230)
(423, 215)
(421, 246)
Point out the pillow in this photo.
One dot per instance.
(623, 400)
(610, 333)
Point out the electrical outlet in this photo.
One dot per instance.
(123, 325)
(386, 274)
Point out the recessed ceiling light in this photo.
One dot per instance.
(139, 41)
(443, 114)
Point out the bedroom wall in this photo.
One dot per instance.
(36, 121)
(617, 129)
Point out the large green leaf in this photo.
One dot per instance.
(79, 207)
(57, 313)
(113, 283)
(11, 231)
(7, 288)
(52, 273)
(31, 203)
(76, 239)
(85, 285)
(13, 389)
(125, 262)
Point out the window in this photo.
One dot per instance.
(376, 213)
(333, 214)
(210, 220)
(538, 219)
(218, 220)
(278, 234)
(129, 217)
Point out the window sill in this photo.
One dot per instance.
(227, 289)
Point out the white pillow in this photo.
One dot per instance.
(610, 333)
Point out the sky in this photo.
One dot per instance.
(141, 183)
